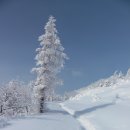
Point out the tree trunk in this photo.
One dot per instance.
(1, 109)
(42, 105)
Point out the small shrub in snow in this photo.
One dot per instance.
(3, 122)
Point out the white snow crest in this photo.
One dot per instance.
(70, 111)
(85, 123)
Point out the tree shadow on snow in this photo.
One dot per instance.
(57, 112)
(91, 109)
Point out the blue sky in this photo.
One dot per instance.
(95, 34)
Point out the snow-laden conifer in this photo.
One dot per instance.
(50, 60)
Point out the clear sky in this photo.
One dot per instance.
(95, 34)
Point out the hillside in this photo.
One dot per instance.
(104, 105)
(102, 108)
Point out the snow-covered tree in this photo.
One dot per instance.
(50, 60)
(15, 98)
(128, 74)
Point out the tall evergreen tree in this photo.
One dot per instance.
(50, 60)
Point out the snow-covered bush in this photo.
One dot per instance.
(68, 95)
(15, 99)
(3, 122)
(108, 82)
(128, 74)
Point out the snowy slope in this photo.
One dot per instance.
(93, 108)
(102, 108)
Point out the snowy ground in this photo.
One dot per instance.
(54, 119)
(92, 109)
(102, 108)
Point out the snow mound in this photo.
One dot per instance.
(103, 108)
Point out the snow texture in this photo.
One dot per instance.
(94, 108)
(102, 108)
(107, 110)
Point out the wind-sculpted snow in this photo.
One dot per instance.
(102, 108)
(79, 115)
